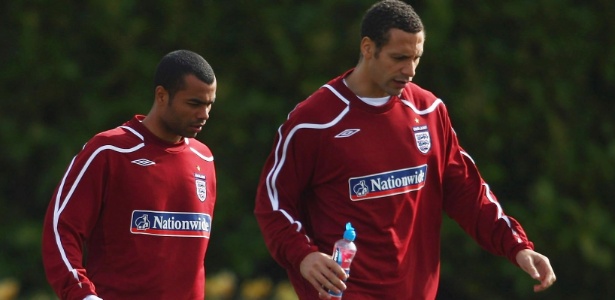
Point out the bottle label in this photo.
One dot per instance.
(342, 258)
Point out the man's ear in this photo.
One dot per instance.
(161, 95)
(368, 47)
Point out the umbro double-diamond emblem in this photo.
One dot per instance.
(347, 133)
(143, 162)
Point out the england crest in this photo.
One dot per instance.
(422, 138)
(201, 186)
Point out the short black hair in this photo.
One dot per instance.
(388, 14)
(174, 66)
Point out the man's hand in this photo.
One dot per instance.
(538, 266)
(323, 273)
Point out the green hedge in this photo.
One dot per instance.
(529, 85)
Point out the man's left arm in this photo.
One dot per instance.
(469, 200)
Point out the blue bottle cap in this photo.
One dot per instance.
(349, 234)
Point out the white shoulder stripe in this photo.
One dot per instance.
(334, 91)
(60, 203)
(203, 157)
(431, 108)
(133, 131)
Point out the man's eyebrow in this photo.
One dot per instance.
(199, 101)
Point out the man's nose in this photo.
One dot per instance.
(409, 70)
(203, 113)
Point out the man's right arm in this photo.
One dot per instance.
(70, 217)
(277, 204)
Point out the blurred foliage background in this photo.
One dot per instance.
(529, 85)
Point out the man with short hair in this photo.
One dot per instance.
(131, 217)
(372, 148)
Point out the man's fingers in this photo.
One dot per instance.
(324, 281)
(533, 272)
(330, 282)
(321, 291)
(323, 273)
(540, 269)
(548, 278)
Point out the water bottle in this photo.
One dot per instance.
(344, 251)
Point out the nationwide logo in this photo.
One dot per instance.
(164, 223)
(387, 183)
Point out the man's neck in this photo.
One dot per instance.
(361, 85)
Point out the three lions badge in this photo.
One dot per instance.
(422, 138)
(201, 186)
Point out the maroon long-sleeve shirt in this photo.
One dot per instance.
(391, 171)
(139, 210)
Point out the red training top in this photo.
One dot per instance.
(391, 171)
(139, 210)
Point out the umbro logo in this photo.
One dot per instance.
(347, 133)
(143, 162)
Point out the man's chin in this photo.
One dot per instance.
(394, 92)
(192, 132)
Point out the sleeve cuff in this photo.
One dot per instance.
(513, 254)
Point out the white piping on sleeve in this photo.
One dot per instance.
(58, 209)
(489, 195)
(501, 214)
(468, 156)
(55, 224)
(280, 158)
